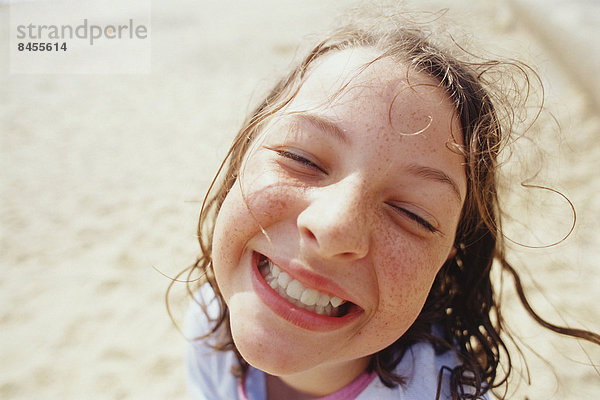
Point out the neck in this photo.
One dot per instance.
(316, 382)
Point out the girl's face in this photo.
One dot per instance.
(349, 197)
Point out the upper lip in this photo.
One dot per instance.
(300, 271)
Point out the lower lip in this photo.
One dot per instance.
(293, 314)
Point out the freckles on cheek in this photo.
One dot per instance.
(406, 278)
(226, 231)
(254, 204)
(270, 203)
(268, 194)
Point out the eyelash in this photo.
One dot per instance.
(417, 219)
(298, 158)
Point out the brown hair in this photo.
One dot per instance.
(462, 303)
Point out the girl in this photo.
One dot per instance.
(346, 254)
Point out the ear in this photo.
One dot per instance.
(452, 253)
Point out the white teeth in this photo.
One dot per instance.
(284, 279)
(295, 292)
(323, 300)
(309, 297)
(295, 289)
(275, 270)
(336, 301)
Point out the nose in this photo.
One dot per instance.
(335, 222)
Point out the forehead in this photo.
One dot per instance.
(384, 90)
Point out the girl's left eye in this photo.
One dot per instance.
(298, 158)
(418, 219)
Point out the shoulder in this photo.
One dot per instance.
(421, 367)
(208, 371)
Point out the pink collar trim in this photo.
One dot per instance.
(348, 392)
(241, 389)
(353, 389)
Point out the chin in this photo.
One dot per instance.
(277, 362)
(267, 349)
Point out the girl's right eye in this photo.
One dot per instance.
(299, 159)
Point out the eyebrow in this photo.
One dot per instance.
(435, 175)
(325, 125)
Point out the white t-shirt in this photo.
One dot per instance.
(209, 372)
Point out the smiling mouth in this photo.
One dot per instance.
(299, 295)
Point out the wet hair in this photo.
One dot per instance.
(462, 306)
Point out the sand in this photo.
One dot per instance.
(102, 176)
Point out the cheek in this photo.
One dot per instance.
(226, 248)
(258, 203)
(405, 276)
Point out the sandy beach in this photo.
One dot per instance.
(103, 176)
